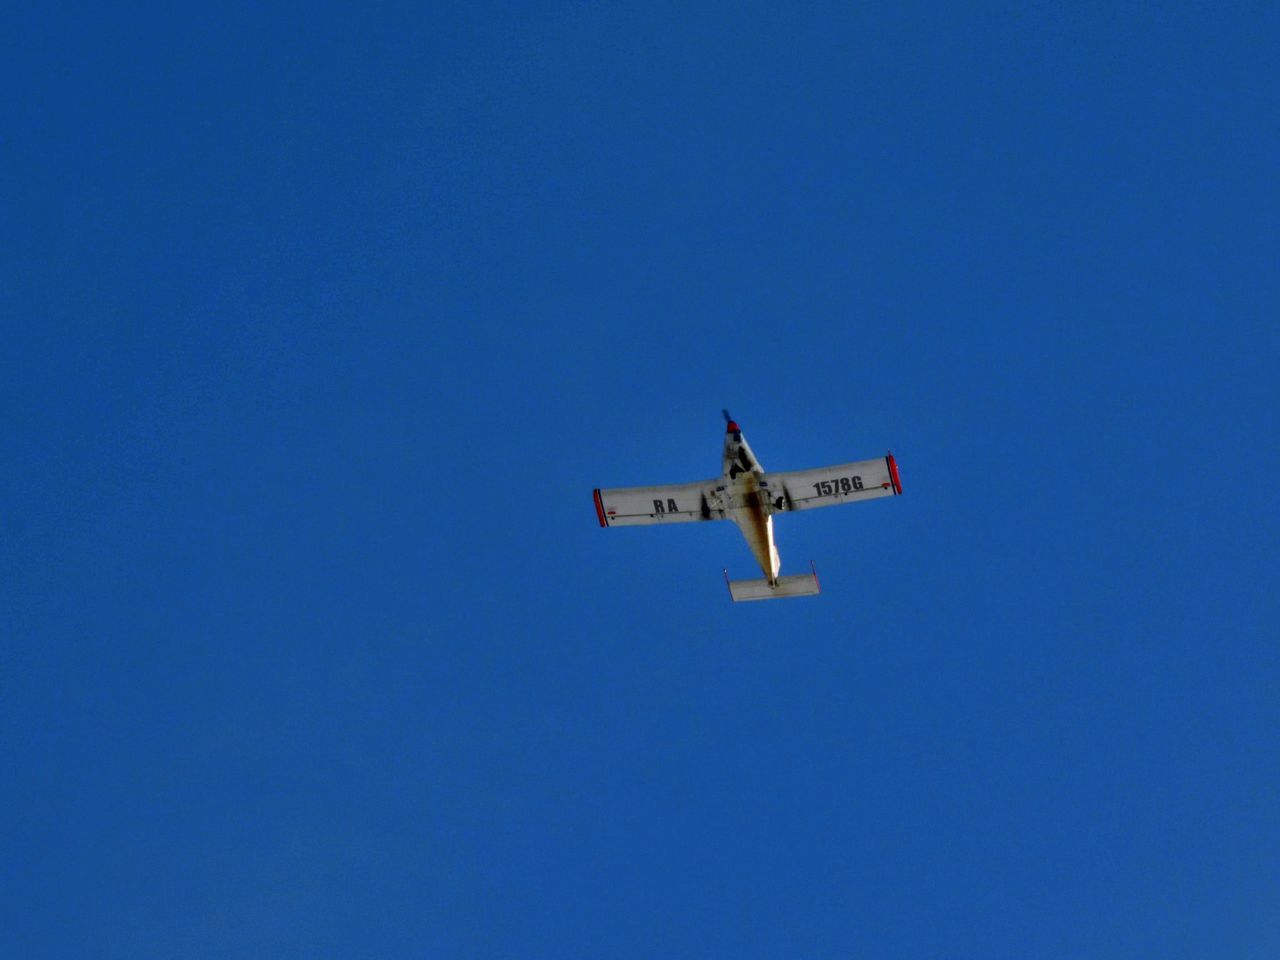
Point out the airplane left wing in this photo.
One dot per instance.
(828, 486)
(675, 503)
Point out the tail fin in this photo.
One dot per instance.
(797, 585)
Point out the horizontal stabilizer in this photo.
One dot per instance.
(799, 585)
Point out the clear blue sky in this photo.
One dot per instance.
(320, 324)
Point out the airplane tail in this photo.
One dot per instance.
(797, 585)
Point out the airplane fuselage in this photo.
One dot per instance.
(745, 499)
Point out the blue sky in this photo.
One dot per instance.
(322, 323)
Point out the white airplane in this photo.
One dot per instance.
(747, 495)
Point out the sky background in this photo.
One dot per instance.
(321, 323)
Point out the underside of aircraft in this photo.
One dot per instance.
(750, 496)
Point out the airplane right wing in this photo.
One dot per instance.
(675, 503)
(828, 486)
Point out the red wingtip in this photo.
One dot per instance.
(893, 474)
(600, 510)
(732, 427)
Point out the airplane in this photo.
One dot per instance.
(749, 496)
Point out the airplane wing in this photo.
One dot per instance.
(828, 486)
(676, 503)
